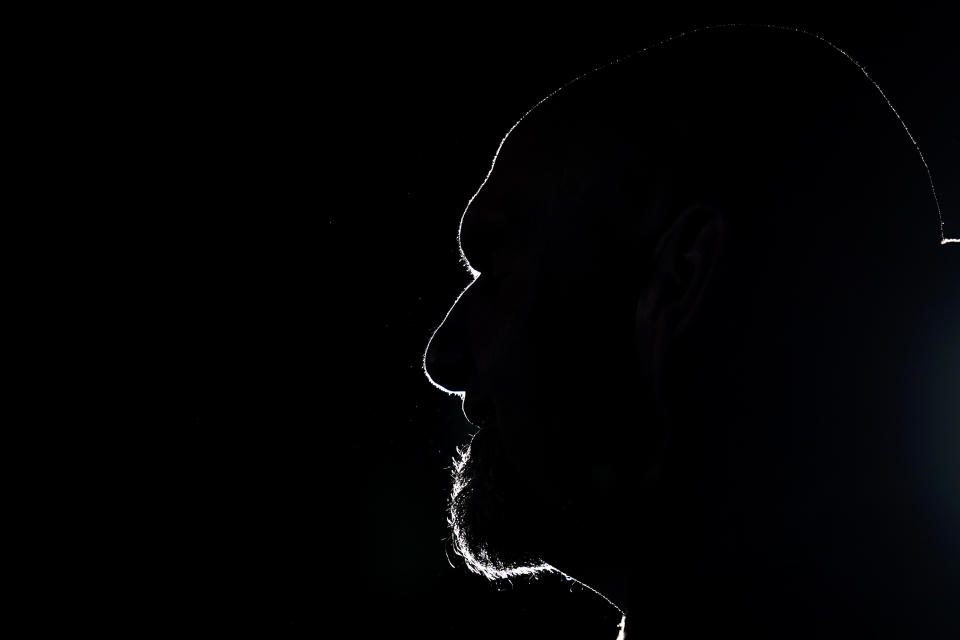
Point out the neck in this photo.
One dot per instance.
(634, 570)
(629, 584)
(636, 601)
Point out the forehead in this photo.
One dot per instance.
(531, 184)
(554, 177)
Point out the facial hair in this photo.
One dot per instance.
(487, 514)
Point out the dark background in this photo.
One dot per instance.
(310, 177)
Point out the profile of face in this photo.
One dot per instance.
(545, 347)
(671, 341)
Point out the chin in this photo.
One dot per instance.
(489, 518)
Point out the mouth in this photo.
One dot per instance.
(479, 409)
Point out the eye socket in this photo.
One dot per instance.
(482, 236)
(489, 284)
(494, 276)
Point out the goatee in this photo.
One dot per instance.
(488, 515)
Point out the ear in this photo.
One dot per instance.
(681, 267)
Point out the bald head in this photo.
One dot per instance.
(698, 275)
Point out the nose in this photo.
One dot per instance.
(448, 360)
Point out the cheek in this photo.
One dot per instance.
(560, 350)
(521, 401)
(506, 325)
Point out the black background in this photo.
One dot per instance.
(310, 176)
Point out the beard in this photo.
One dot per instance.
(490, 513)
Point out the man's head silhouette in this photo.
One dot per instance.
(688, 343)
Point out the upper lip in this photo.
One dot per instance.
(479, 408)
